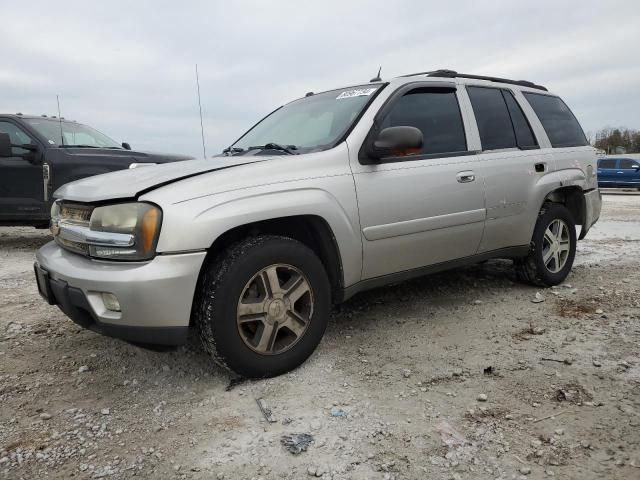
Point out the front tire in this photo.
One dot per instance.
(262, 306)
(553, 248)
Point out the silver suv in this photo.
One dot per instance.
(329, 195)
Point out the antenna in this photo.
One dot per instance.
(204, 150)
(60, 119)
(377, 77)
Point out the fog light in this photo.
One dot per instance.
(111, 302)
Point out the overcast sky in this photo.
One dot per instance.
(127, 67)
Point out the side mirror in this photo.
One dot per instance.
(30, 156)
(636, 167)
(397, 141)
(6, 149)
(126, 146)
(5, 145)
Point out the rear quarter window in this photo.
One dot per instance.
(558, 121)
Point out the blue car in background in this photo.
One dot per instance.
(619, 173)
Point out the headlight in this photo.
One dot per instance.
(139, 220)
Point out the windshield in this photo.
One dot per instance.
(74, 134)
(311, 123)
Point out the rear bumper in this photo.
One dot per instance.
(593, 205)
(155, 297)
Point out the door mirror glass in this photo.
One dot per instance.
(126, 146)
(397, 141)
(5, 145)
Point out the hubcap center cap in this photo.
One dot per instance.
(276, 309)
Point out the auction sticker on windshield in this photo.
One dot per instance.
(358, 92)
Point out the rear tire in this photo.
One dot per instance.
(553, 248)
(262, 306)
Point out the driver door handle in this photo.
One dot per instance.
(466, 177)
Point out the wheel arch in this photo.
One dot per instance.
(310, 230)
(566, 187)
(572, 198)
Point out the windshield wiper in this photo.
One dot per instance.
(233, 150)
(276, 146)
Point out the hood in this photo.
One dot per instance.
(130, 156)
(153, 157)
(132, 183)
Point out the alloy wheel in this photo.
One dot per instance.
(556, 245)
(275, 309)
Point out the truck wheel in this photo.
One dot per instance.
(262, 306)
(553, 248)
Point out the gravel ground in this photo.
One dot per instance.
(457, 375)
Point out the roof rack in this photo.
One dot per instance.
(453, 74)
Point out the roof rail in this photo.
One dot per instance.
(453, 74)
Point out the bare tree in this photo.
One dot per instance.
(612, 140)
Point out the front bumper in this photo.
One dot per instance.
(593, 205)
(155, 297)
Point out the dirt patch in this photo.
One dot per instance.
(572, 393)
(575, 309)
(28, 440)
(486, 413)
(443, 380)
(528, 332)
(555, 455)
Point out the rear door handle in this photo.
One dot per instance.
(541, 167)
(466, 177)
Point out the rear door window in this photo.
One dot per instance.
(492, 117)
(558, 121)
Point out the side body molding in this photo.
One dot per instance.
(408, 227)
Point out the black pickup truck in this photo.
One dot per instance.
(40, 154)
